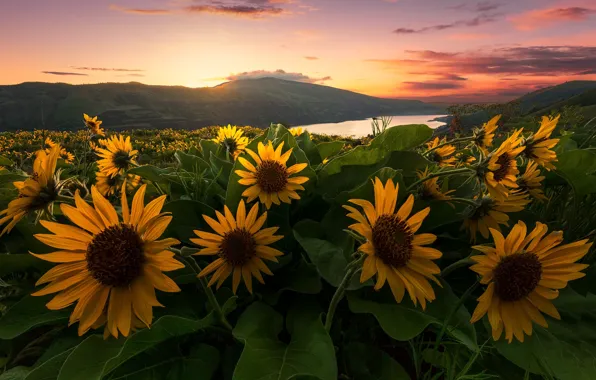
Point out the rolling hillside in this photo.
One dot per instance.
(255, 102)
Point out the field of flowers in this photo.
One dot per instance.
(247, 254)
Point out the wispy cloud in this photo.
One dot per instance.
(311, 58)
(65, 73)
(140, 11)
(546, 17)
(132, 75)
(279, 74)
(431, 85)
(481, 6)
(104, 69)
(473, 22)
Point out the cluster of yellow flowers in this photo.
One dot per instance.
(111, 267)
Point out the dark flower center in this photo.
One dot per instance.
(115, 256)
(272, 176)
(392, 240)
(516, 276)
(529, 151)
(505, 163)
(121, 159)
(238, 247)
(486, 204)
(437, 157)
(230, 144)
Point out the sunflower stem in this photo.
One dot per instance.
(352, 268)
(456, 265)
(471, 202)
(65, 199)
(439, 174)
(210, 296)
(454, 141)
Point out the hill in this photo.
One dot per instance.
(256, 102)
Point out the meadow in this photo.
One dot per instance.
(243, 253)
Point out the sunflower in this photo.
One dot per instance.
(443, 156)
(271, 180)
(65, 155)
(232, 140)
(94, 125)
(483, 137)
(490, 213)
(241, 244)
(296, 131)
(539, 145)
(117, 156)
(464, 158)
(529, 182)
(393, 252)
(501, 170)
(111, 268)
(431, 190)
(37, 193)
(107, 185)
(524, 273)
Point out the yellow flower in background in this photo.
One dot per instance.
(241, 245)
(501, 172)
(443, 156)
(117, 156)
(37, 193)
(430, 189)
(296, 131)
(539, 145)
(491, 213)
(231, 139)
(108, 186)
(271, 180)
(530, 182)
(66, 156)
(325, 160)
(393, 250)
(524, 273)
(94, 125)
(483, 137)
(110, 268)
(464, 158)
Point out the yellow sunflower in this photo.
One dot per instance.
(94, 125)
(37, 193)
(271, 180)
(64, 154)
(117, 156)
(490, 213)
(483, 137)
(529, 182)
(430, 189)
(394, 253)
(464, 158)
(108, 186)
(524, 273)
(500, 173)
(539, 145)
(241, 245)
(296, 131)
(443, 156)
(232, 140)
(111, 268)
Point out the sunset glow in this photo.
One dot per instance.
(435, 49)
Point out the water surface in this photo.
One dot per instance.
(360, 128)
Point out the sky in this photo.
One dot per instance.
(434, 50)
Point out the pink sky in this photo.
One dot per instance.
(432, 49)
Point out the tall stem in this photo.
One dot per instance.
(353, 267)
(439, 174)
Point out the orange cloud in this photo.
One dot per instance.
(545, 17)
(140, 11)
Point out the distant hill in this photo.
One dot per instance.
(256, 102)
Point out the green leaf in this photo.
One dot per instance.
(404, 321)
(28, 313)
(150, 172)
(578, 167)
(200, 363)
(188, 217)
(369, 363)
(309, 148)
(330, 148)
(566, 349)
(221, 168)
(331, 261)
(11, 263)
(191, 163)
(366, 188)
(50, 368)
(5, 161)
(96, 357)
(309, 353)
(16, 373)
(302, 277)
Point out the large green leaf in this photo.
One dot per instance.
(578, 167)
(369, 363)
(5, 161)
(301, 277)
(19, 262)
(150, 173)
(366, 189)
(191, 163)
(16, 373)
(309, 148)
(309, 353)
(96, 357)
(50, 368)
(188, 216)
(567, 349)
(330, 148)
(404, 321)
(28, 313)
(331, 260)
